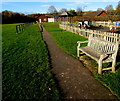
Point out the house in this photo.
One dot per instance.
(63, 17)
(95, 14)
(45, 18)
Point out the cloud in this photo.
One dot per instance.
(61, 0)
(45, 5)
(70, 4)
(109, 0)
(28, 12)
(81, 2)
(77, 3)
(1, 2)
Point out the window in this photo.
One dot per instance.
(45, 19)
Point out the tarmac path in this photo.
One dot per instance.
(75, 81)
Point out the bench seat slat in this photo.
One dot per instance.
(90, 52)
(94, 54)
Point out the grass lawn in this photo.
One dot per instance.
(26, 68)
(65, 40)
(68, 42)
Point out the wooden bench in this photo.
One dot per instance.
(101, 51)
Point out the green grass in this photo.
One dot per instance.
(111, 80)
(26, 67)
(68, 42)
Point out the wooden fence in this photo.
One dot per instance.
(103, 23)
(20, 28)
(111, 37)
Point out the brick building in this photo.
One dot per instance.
(45, 18)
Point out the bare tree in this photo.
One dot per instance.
(109, 8)
(52, 10)
(118, 8)
(79, 11)
(99, 9)
(62, 10)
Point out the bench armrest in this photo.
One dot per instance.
(82, 41)
(104, 54)
(79, 42)
(108, 53)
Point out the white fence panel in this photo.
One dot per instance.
(111, 37)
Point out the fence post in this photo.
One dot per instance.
(20, 28)
(16, 29)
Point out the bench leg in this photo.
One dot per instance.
(100, 67)
(78, 54)
(113, 65)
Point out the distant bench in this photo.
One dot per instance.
(101, 51)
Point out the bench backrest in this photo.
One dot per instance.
(102, 45)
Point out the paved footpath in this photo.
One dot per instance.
(73, 78)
